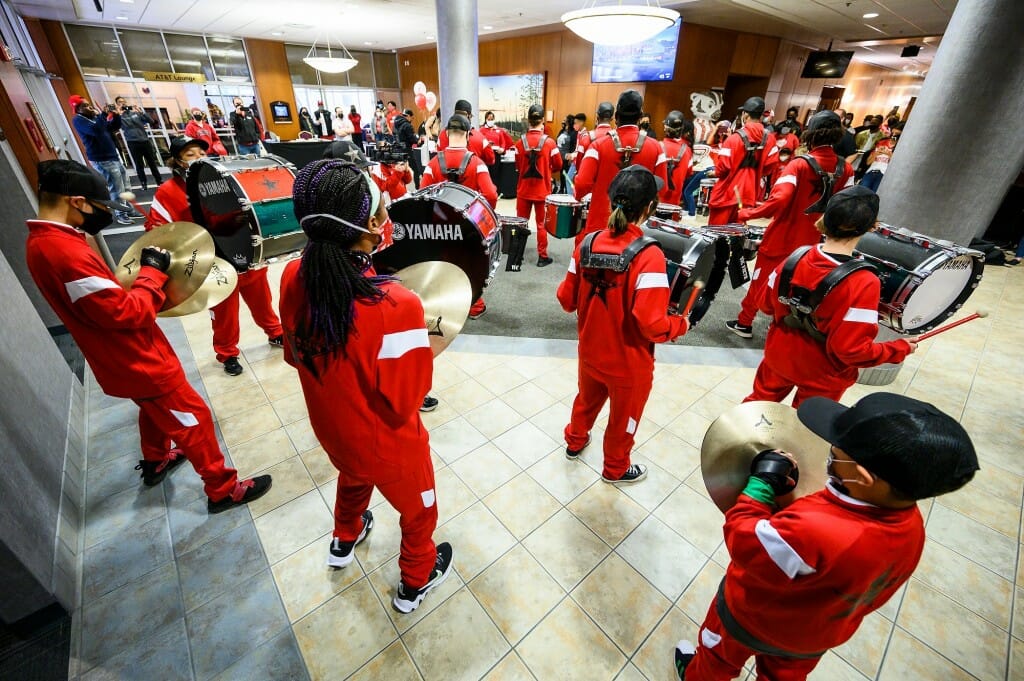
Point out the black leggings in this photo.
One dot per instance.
(143, 153)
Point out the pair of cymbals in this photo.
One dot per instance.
(446, 294)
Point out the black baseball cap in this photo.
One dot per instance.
(458, 122)
(407, 112)
(347, 150)
(463, 106)
(920, 451)
(824, 119)
(70, 178)
(181, 142)
(753, 106)
(637, 185)
(631, 104)
(851, 212)
(605, 110)
(675, 120)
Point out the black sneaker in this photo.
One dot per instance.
(634, 473)
(154, 472)
(341, 553)
(739, 329)
(574, 454)
(408, 599)
(544, 262)
(244, 492)
(685, 652)
(276, 341)
(429, 404)
(232, 367)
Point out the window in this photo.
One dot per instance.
(228, 57)
(362, 73)
(97, 50)
(144, 51)
(385, 66)
(302, 73)
(188, 54)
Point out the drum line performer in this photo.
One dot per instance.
(605, 112)
(118, 334)
(678, 155)
(538, 160)
(475, 140)
(738, 166)
(170, 204)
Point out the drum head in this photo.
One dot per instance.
(561, 200)
(939, 295)
(692, 256)
(218, 205)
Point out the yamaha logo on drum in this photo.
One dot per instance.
(213, 187)
(429, 231)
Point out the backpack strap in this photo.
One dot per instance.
(803, 303)
(674, 163)
(752, 157)
(626, 153)
(460, 172)
(610, 261)
(828, 183)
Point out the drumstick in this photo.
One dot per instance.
(130, 198)
(980, 314)
(739, 200)
(697, 286)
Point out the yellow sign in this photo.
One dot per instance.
(167, 77)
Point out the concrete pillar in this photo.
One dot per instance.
(964, 143)
(457, 57)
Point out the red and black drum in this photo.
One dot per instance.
(704, 195)
(446, 222)
(563, 216)
(669, 211)
(691, 255)
(246, 205)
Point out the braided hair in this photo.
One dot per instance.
(332, 273)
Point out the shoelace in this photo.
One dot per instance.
(241, 487)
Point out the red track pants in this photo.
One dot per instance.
(720, 657)
(758, 282)
(523, 208)
(410, 490)
(182, 416)
(255, 291)
(724, 215)
(771, 386)
(627, 406)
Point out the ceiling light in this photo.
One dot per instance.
(619, 24)
(871, 15)
(121, 17)
(488, 28)
(430, 37)
(369, 42)
(128, 2)
(330, 63)
(277, 33)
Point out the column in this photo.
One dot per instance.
(964, 143)
(457, 57)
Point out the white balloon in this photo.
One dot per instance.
(431, 101)
(419, 88)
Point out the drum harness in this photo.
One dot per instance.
(828, 183)
(752, 158)
(626, 153)
(803, 303)
(457, 174)
(533, 171)
(673, 163)
(616, 262)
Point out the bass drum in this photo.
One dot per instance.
(446, 222)
(246, 205)
(690, 255)
(924, 280)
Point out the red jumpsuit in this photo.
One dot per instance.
(477, 143)
(790, 227)
(676, 149)
(801, 579)
(497, 137)
(848, 316)
(364, 408)
(531, 191)
(126, 350)
(390, 181)
(617, 332)
(170, 204)
(599, 167)
(723, 205)
(586, 138)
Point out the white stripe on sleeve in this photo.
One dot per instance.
(773, 151)
(781, 553)
(651, 280)
(771, 280)
(481, 168)
(572, 265)
(849, 182)
(591, 152)
(160, 210)
(860, 314)
(725, 151)
(661, 159)
(80, 288)
(395, 345)
(787, 179)
(554, 151)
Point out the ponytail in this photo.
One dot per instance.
(617, 221)
(624, 213)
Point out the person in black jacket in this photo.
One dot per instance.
(247, 130)
(406, 136)
(135, 124)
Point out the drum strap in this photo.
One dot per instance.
(626, 153)
(803, 303)
(616, 262)
(533, 171)
(828, 183)
(674, 163)
(454, 175)
(752, 158)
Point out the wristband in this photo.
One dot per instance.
(759, 490)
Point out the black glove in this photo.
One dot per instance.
(155, 257)
(776, 469)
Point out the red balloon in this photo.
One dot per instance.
(421, 101)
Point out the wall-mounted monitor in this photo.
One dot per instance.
(281, 112)
(649, 61)
(826, 64)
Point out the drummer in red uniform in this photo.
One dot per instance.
(170, 204)
(359, 343)
(621, 314)
(738, 166)
(118, 334)
(605, 111)
(622, 147)
(537, 160)
(460, 165)
(678, 155)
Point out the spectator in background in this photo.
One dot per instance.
(433, 125)
(306, 121)
(847, 146)
(357, 126)
(135, 125)
(198, 128)
(96, 132)
(406, 137)
(791, 121)
(248, 129)
(878, 160)
(566, 141)
(848, 120)
(342, 126)
(500, 141)
(322, 119)
(866, 140)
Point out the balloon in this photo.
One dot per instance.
(421, 101)
(419, 88)
(431, 101)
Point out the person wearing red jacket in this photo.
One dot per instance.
(605, 111)
(738, 166)
(606, 156)
(678, 155)
(360, 345)
(499, 139)
(796, 202)
(537, 159)
(199, 128)
(620, 315)
(170, 204)
(392, 179)
(821, 355)
(474, 176)
(803, 576)
(117, 332)
(475, 141)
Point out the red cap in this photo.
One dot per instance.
(74, 101)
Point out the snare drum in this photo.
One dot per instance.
(752, 242)
(704, 195)
(924, 280)
(446, 222)
(690, 254)
(563, 216)
(669, 211)
(246, 205)
(508, 224)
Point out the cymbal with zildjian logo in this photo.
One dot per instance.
(735, 438)
(446, 294)
(219, 284)
(192, 254)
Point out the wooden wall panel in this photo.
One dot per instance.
(273, 82)
(14, 98)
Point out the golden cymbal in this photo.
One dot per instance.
(220, 282)
(446, 294)
(192, 253)
(734, 439)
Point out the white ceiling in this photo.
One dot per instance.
(391, 24)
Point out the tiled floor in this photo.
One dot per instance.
(558, 576)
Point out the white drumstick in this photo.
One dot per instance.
(980, 314)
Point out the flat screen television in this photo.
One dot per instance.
(649, 61)
(826, 64)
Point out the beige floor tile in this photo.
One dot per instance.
(975, 644)
(867, 647)
(447, 374)
(662, 556)
(567, 645)
(234, 402)
(474, 363)
(288, 528)
(453, 496)
(706, 377)
(262, 452)
(712, 405)
(344, 633)
(987, 509)
(485, 469)
(671, 453)
(530, 399)
(285, 386)
(526, 444)
(249, 424)
(479, 538)
(305, 582)
(455, 439)
(516, 592)
(501, 379)
(969, 584)
(690, 427)
(522, 505)
(562, 478)
(630, 673)
(393, 664)
(291, 409)
(990, 481)
(271, 369)
(456, 636)
(1018, 613)
(1016, 660)
(217, 382)
(552, 421)
(693, 516)
(385, 582)
(465, 396)
(440, 416)
(603, 594)
(890, 608)
(291, 480)
(561, 383)
(493, 418)
(383, 542)
(302, 435)
(656, 657)
(721, 555)
(909, 658)
(653, 489)
(701, 592)
(664, 407)
(566, 548)
(970, 538)
(319, 465)
(539, 367)
(607, 511)
(832, 668)
(511, 668)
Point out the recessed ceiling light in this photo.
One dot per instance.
(128, 2)
(488, 28)
(121, 17)
(430, 37)
(369, 42)
(871, 15)
(277, 33)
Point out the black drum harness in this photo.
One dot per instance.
(673, 163)
(457, 174)
(533, 171)
(615, 262)
(752, 158)
(828, 183)
(626, 153)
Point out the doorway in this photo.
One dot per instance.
(738, 89)
(831, 96)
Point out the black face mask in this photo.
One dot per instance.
(95, 221)
(197, 117)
